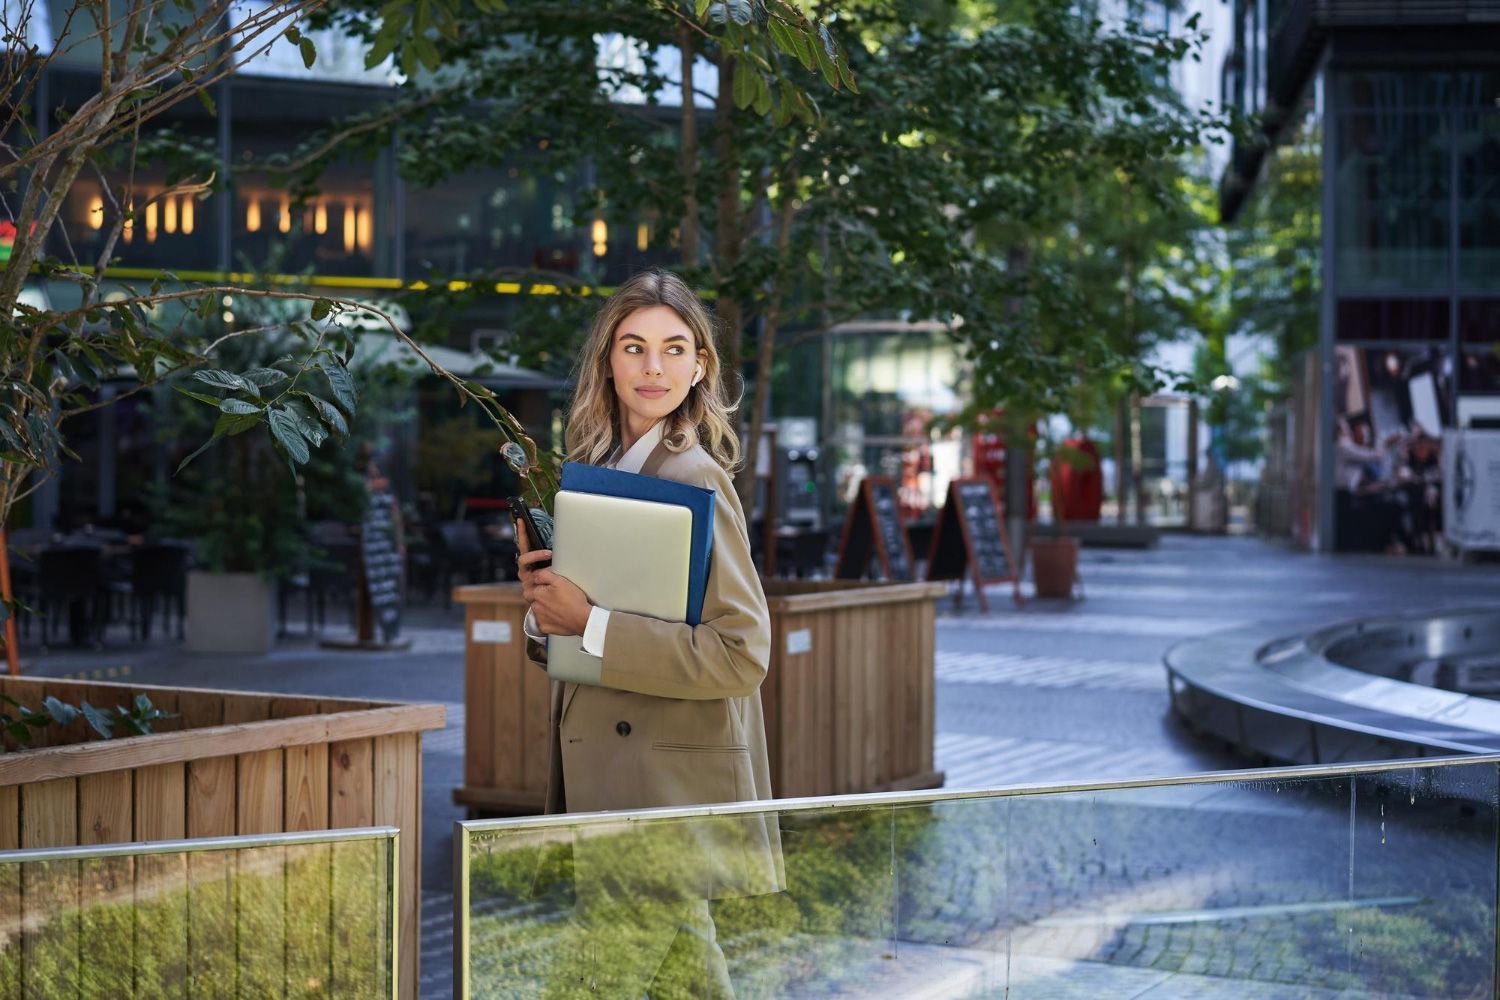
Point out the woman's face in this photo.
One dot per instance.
(651, 362)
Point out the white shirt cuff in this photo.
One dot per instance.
(532, 630)
(593, 633)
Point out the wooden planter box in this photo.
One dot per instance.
(231, 763)
(849, 698)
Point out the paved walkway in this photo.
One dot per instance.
(1050, 692)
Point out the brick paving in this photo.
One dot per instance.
(1184, 892)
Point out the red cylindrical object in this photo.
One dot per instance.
(1077, 485)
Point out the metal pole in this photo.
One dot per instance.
(12, 651)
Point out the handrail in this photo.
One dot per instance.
(195, 845)
(874, 799)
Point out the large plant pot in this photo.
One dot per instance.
(229, 613)
(226, 763)
(849, 696)
(1054, 566)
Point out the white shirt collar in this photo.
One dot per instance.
(636, 457)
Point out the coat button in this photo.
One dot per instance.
(623, 728)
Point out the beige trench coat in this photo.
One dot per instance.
(677, 719)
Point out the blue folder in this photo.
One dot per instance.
(581, 478)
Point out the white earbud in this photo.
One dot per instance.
(697, 374)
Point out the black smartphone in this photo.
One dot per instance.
(538, 535)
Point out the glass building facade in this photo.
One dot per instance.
(1405, 98)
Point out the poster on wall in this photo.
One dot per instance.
(1390, 412)
(1471, 502)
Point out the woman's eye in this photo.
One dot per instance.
(674, 350)
(632, 348)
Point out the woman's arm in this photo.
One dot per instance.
(724, 657)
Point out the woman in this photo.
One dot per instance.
(675, 718)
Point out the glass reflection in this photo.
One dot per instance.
(301, 920)
(1376, 884)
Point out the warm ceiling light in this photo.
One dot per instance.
(252, 216)
(642, 237)
(187, 215)
(284, 217)
(366, 222)
(151, 222)
(169, 215)
(320, 218)
(601, 231)
(96, 212)
(349, 211)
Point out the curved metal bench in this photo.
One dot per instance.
(1340, 693)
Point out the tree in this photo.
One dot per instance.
(889, 198)
(151, 55)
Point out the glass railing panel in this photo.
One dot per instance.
(235, 916)
(1369, 881)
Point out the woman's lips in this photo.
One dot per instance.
(652, 392)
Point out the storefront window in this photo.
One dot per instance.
(1479, 199)
(342, 230)
(493, 219)
(1392, 190)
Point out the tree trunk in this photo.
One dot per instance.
(727, 234)
(764, 359)
(688, 153)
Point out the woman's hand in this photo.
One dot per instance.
(558, 606)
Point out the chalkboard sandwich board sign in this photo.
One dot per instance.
(970, 540)
(378, 596)
(874, 526)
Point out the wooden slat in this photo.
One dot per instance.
(108, 926)
(213, 973)
(106, 808)
(239, 738)
(246, 708)
(211, 797)
(51, 938)
(10, 817)
(481, 702)
(309, 874)
(261, 927)
(161, 905)
(360, 938)
(10, 896)
(261, 914)
(258, 790)
(351, 796)
(50, 941)
(351, 803)
(309, 921)
(10, 930)
(200, 709)
(398, 803)
(306, 792)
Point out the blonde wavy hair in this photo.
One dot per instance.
(703, 416)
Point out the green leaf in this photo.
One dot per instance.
(385, 43)
(331, 416)
(62, 713)
(264, 377)
(237, 406)
(100, 721)
(320, 309)
(762, 95)
(806, 48)
(339, 379)
(284, 430)
(744, 84)
(142, 703)
(308, 423)
(309, 52)
(700, 7)
(199, 396)
(740, 11)
(220, 379)
(826, 65)
(293, 35)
